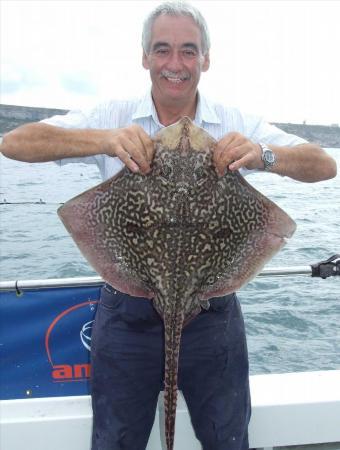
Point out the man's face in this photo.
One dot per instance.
(175, 59)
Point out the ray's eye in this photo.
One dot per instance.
(199, 173)
(133, 228)
(199, 176)
(210, 280)
(166, 171)
(222, 233)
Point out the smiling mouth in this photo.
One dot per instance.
(175, 78)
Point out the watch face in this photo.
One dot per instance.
(269, 157)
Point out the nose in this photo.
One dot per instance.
(174, 62)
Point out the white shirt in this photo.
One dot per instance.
(215, 118)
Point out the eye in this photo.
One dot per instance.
(161, 51)
(189, 53)
(132, 228)
(199, 173)
(210, 280)
(222, 233)
(166, 171)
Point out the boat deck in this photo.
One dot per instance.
(290, 411)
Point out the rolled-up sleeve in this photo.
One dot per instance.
(259, 130)
(75, 119)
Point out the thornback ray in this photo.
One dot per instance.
(178, 235)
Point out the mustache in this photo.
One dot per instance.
(180, 75)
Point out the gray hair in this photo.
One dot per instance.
(175, 8)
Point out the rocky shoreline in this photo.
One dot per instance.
(11, 116)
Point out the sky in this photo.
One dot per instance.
(277, 59)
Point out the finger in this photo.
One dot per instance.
(223, 162)
(243, 162)
(221, 146)
(131, 140)
(147, 143)
(222, 156)
(125, 157)
(136, 151)
(144, 143)
(247, 155)
(243, 156)
(230, 156)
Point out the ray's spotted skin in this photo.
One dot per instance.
(178, 235)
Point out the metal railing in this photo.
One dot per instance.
(323, 269)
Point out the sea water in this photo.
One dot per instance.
(292, 322)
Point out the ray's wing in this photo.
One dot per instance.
(251, 230)
(101, 223)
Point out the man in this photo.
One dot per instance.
(127, 340)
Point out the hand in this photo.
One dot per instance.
(234, 151)
(132, 146)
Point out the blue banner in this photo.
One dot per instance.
(45, 341)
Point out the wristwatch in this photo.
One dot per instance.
(268, 156)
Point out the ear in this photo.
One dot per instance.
(145, 61)
(206, 62)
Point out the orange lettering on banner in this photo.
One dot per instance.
(82, 370)
(62, 371)
(68, 372)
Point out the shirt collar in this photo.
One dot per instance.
(204, 111)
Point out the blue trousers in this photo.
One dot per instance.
(127, 352)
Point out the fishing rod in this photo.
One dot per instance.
(40, 202)
(323, 269)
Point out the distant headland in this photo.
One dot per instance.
(11, 116)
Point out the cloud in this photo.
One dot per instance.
(66, 58)
(15, 78)
(78, 83)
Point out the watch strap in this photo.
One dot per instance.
(268, 156)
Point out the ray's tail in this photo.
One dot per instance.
(173, 329)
